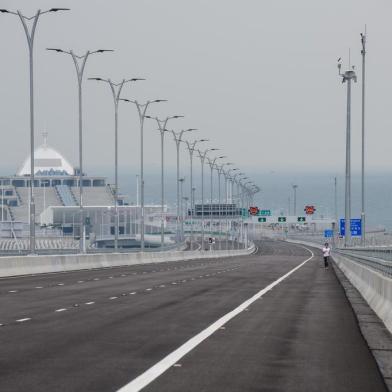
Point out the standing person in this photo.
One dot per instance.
(326, 254)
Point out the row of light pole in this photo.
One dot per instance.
(116, 88)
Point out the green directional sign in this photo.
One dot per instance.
(262, 219)
(281, 219)
(264, 213)
(301, 219)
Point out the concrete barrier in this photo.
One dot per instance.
(27, 265)
(374, 287)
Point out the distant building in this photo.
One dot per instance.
(56, 196)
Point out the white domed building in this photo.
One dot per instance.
(47, 162)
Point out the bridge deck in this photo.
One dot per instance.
(99, 330)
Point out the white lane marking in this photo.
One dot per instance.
(89, 303)
(162, 285)
(61, 310)
(39, 287)
(96, 279)
(110, 277)
(60, 284)
(80, 281)
(113, 297)
(13, 291)
(148, 289)
(133, 293)
(23, 320)
(170, 360)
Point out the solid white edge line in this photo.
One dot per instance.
(159, 368)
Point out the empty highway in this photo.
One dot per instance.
(271, 321)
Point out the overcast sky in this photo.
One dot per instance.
(258, 78)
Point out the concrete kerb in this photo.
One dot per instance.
(27, 265)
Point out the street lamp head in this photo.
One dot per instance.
(177, 116)
(203, 140)
(127, 100)
(159, 100)
(104, 50)
(99, 79)
(4, 11)
(213, 149)
(221, 157)
(136, 79)
(56, 50)
(190, 129)
(58, 9)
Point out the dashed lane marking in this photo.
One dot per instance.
(61, 310)
(90, 303)
(23, 320)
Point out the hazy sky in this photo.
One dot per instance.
(258, 78)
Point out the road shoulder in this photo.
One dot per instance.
(372, 328)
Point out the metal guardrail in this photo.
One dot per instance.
(382, 265)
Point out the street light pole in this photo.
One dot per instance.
(348, 76)
(162, 129)
(295, 198)
(202, 156)
(116, 91)
(30, 34)
(142, 110)
(80, 63)
(181, 180)
(178, 139)
(220, 172)
(211, 163)
(191, 149)
(363, 52)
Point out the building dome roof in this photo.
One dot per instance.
(47, 161)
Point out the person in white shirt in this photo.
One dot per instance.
(326, 253)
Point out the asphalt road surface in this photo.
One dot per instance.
(102, 330)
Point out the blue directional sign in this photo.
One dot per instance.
(328, 233)
(355, 226)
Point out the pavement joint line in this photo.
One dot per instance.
(171, 359)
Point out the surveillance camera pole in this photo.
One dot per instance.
(348, 77)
